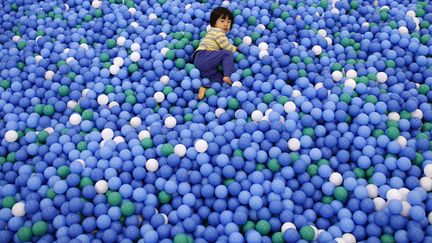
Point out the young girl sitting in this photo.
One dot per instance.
(215, 49)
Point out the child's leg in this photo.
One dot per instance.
(207, 61)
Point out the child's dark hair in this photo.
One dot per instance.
(220, 12)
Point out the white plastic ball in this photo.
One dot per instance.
(262, 54)
(164, 35)
(16, 38)
(165, 218)
(118, 61)
(84, 92)
(286, 226)
(316, 232)
(159, 97)
(296, 93)
(237, 84)
(135, 122)
(294, 144)
(402, 141)
(393, 116)
(134, 25)
(337, 76)
(317, 50)
(351, 74)
(81, 161)
(372, 190)
(119, 139)
(69, 59)
(430, 218)
(219, 112)
(393, 194)
(135, 56)
(225, 3)
(188, 6)
(261, 26)
(71, 104)
(329, 40)
(164, 79)
(170, 122)
(18, 209)
(38, 58)
(411, 13)
(114, 70)
(49, 130)
(426, 183)
(152, 165)
(66, 7)
(379, 203)
(350, 83)
(336, 178)
(295, 44)
(107, 133)
(349, 238)
(84, 46)
(152, 16)
(322, 32)
(340, 240)
(428, 170)
(112, 104)
(164, 51)
(135, 47)
(268, 111)
(263, 46)
(75, 119)
(180, 150)
(66, 50)
(403, 30)
(319, 85)
(247, 40)
(404, 193)
(102, 99)
(143, 134)
(335, 10)
(417, 113)
(11, 136)
(257, 116)
(290, 107)
(96, 4)
(405, 208)
(49, 75)
(101, 186)
(121, 40)
(381, 77)
(201, 146)
(132, 11)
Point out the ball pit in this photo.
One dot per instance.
(324, 136)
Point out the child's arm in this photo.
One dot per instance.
(223, 42)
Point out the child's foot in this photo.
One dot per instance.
(201, 93)
(227, 80)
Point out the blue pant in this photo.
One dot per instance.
(207, 62)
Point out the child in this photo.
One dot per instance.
(215, 49)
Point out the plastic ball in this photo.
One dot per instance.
(18, 209)
(180, 150)
(159, 97)
(201, 146)
(11, 136)
(107, 133)
(135, 56)
(143, 134)
(294, 144)
(152, 165)
(247, 40)
(170, 122)
(75, 119)
(101, 186)
(135, 122)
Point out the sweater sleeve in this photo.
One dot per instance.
(223, 42)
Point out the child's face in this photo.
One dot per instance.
(223, 24)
